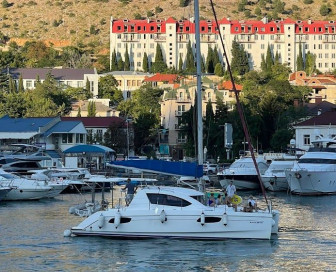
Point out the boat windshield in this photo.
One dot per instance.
(167, 200)
(318, 160)
(8, 176)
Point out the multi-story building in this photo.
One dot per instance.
(66, 77)
(284, 37)
(176, 101)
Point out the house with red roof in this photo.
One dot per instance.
(323, 86)
(159, 79)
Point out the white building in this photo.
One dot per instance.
(283, 36)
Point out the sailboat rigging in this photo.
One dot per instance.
(239, 106)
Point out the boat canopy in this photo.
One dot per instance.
(162, 167)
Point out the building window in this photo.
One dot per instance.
(99, 135)
(29, 84)
(80, 138)
(67, 138)
(306, 139)
(79, 84)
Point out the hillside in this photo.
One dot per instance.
(86, 22)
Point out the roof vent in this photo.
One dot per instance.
(299, 22)
(331, 22)
(125, 20)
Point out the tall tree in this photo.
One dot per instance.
(108, 88)
(310, 63)
(120, 63)
(180, 64)
(159, 64)
(127, 65)
(190, 62)
(88, 85)
(145, 64)
(215, 56)
(79, 112)
(114, 61)
(299, 60)
(209, 66)
(21, 88)
(269, 58)
(239, 63)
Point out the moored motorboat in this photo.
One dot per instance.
(243, 173)
(4, 190)
(315, 172)
(175, 212)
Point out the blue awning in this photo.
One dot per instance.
(88, 149)
(163, 167)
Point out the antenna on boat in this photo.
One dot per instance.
(239, 106)
(199, 91)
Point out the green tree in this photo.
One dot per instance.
(180, 64)
(127, 66)
(299, 60)
(108, 88)
(145, 64)
(21, 88)
(159, 64)
(210, 67)
(310, 65)
(219, 70)
(120, 63)
(239, 62)
(324, 10)
(190, 62)
(114, 62)
(269, 59)
(91, 109)
(79, 112)
(88, 85)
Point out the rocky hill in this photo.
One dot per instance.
(86, 22)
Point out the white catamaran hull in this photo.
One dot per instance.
(179, 225)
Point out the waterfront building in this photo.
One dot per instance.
(66, 77)
(284, 37)
(323, 124)
(103, 108)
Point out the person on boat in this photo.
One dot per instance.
(131, 189)
(219, 200)
(212, 200)
(251, 205)
(230, 191)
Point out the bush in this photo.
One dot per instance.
(324, 10)
(308, 2)
(158, 9)
(150, 14)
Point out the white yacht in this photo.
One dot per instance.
(315, 171)
(274, 178)
(243, 173)
(175, 212)
(28, 189)
(4, 190)
(192, 181)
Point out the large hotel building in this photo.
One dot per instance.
(283, 36)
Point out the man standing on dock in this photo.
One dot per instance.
(131, 189)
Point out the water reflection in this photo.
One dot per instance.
(32, 239)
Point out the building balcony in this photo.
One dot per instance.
(183, 100)
(159, 38)
(129, 39)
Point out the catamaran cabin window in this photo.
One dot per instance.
(167, 200)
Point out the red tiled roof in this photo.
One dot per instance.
(227, 85)
(170, 78)
(102, 122)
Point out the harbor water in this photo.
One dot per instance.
(32, 240)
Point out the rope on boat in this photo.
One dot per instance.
(239, 106)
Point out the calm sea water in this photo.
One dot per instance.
(32, 240)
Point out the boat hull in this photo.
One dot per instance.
(242, 182)
(4, 192)
(305, 182)
(28, 193)
(180, 226)
(275, 183)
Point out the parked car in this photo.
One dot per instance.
(210, 169)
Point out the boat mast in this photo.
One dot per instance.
(239, 106)
(199, 87)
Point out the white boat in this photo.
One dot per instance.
(4, 190)
(315, 172)
(243, 173)
(192, 181)
(274, 178)
(175, 212)
(28, 189)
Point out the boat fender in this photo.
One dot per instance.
(298, 175)
(101, 221)
(67, 233)
(72, 210)
(117, 219)
(225, 219)
(202, 219)
(163, 217)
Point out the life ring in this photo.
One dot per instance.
(298, 175)
(236, 199)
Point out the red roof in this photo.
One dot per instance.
(170, 78)
(101, 122)
(227, 85)
(209, 26)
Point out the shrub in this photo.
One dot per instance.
(324, 10)
(308, 2)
